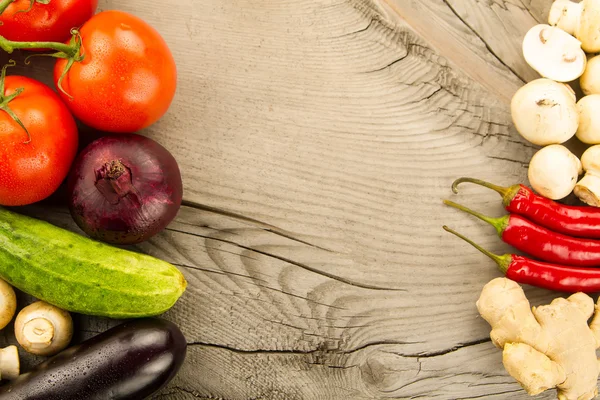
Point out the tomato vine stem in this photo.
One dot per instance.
(5, 3)
(10, 46)
(71, 51)
(5, 100)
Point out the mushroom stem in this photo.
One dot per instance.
(10, 366)
(43, 329)
(588, 188)
(38, 331)
(565, 14)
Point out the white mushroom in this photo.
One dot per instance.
(565, 15)
(43, 329)
(579, 19)
(588, 188)
(544, 112)
(553, 172)
(8, 303)
(553, 53)
(590, 80)
(589, 119)
(10, 366)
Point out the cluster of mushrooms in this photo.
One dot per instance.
(40, 328)
(546, 112)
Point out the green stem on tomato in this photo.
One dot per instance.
(5, 100)
(71, 51)
(4, 5)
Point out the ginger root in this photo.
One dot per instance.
(548, 346)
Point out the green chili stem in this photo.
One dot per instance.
(499, 223)
(500, 189)
(502, 261)
(507, 193)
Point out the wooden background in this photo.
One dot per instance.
(317, 139)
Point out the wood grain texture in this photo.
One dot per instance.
(317, 140)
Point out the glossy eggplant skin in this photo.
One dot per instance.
(130, 361)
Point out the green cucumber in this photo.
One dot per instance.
(81, 275)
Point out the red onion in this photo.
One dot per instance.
(124, 189)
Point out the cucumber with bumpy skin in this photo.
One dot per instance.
(81, 275)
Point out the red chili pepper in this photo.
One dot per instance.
(580, 221)
(541, 274)
(541, 242)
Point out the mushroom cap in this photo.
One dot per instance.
(553, 53)
(8, 303)
(565, 14)
(544, 112)
(590, 159)
(553, 172)
(590, 80)
(589, 119)
(43, 329)
(588, 188)
(589, 25)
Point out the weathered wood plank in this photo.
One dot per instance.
(317, 140)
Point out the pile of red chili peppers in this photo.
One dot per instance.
(565, 240)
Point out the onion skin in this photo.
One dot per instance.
(124, 189)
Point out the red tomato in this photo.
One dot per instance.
(50, 22)
(30, 172)
(127, 79)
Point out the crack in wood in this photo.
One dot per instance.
(284, 324)
(296, 263)
(373, 19)
(481, 396)
(255, 351)
(301, 297)
(213, 271)
(263, 225)
(521, 143)
(522, 163)
(446, 351)
(380, 343)
(389, 65)
(321, 350)
(439, 89)
(485, 43)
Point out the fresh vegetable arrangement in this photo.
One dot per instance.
(551, 346)
(116, 74)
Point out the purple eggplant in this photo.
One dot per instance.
(130, 361)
